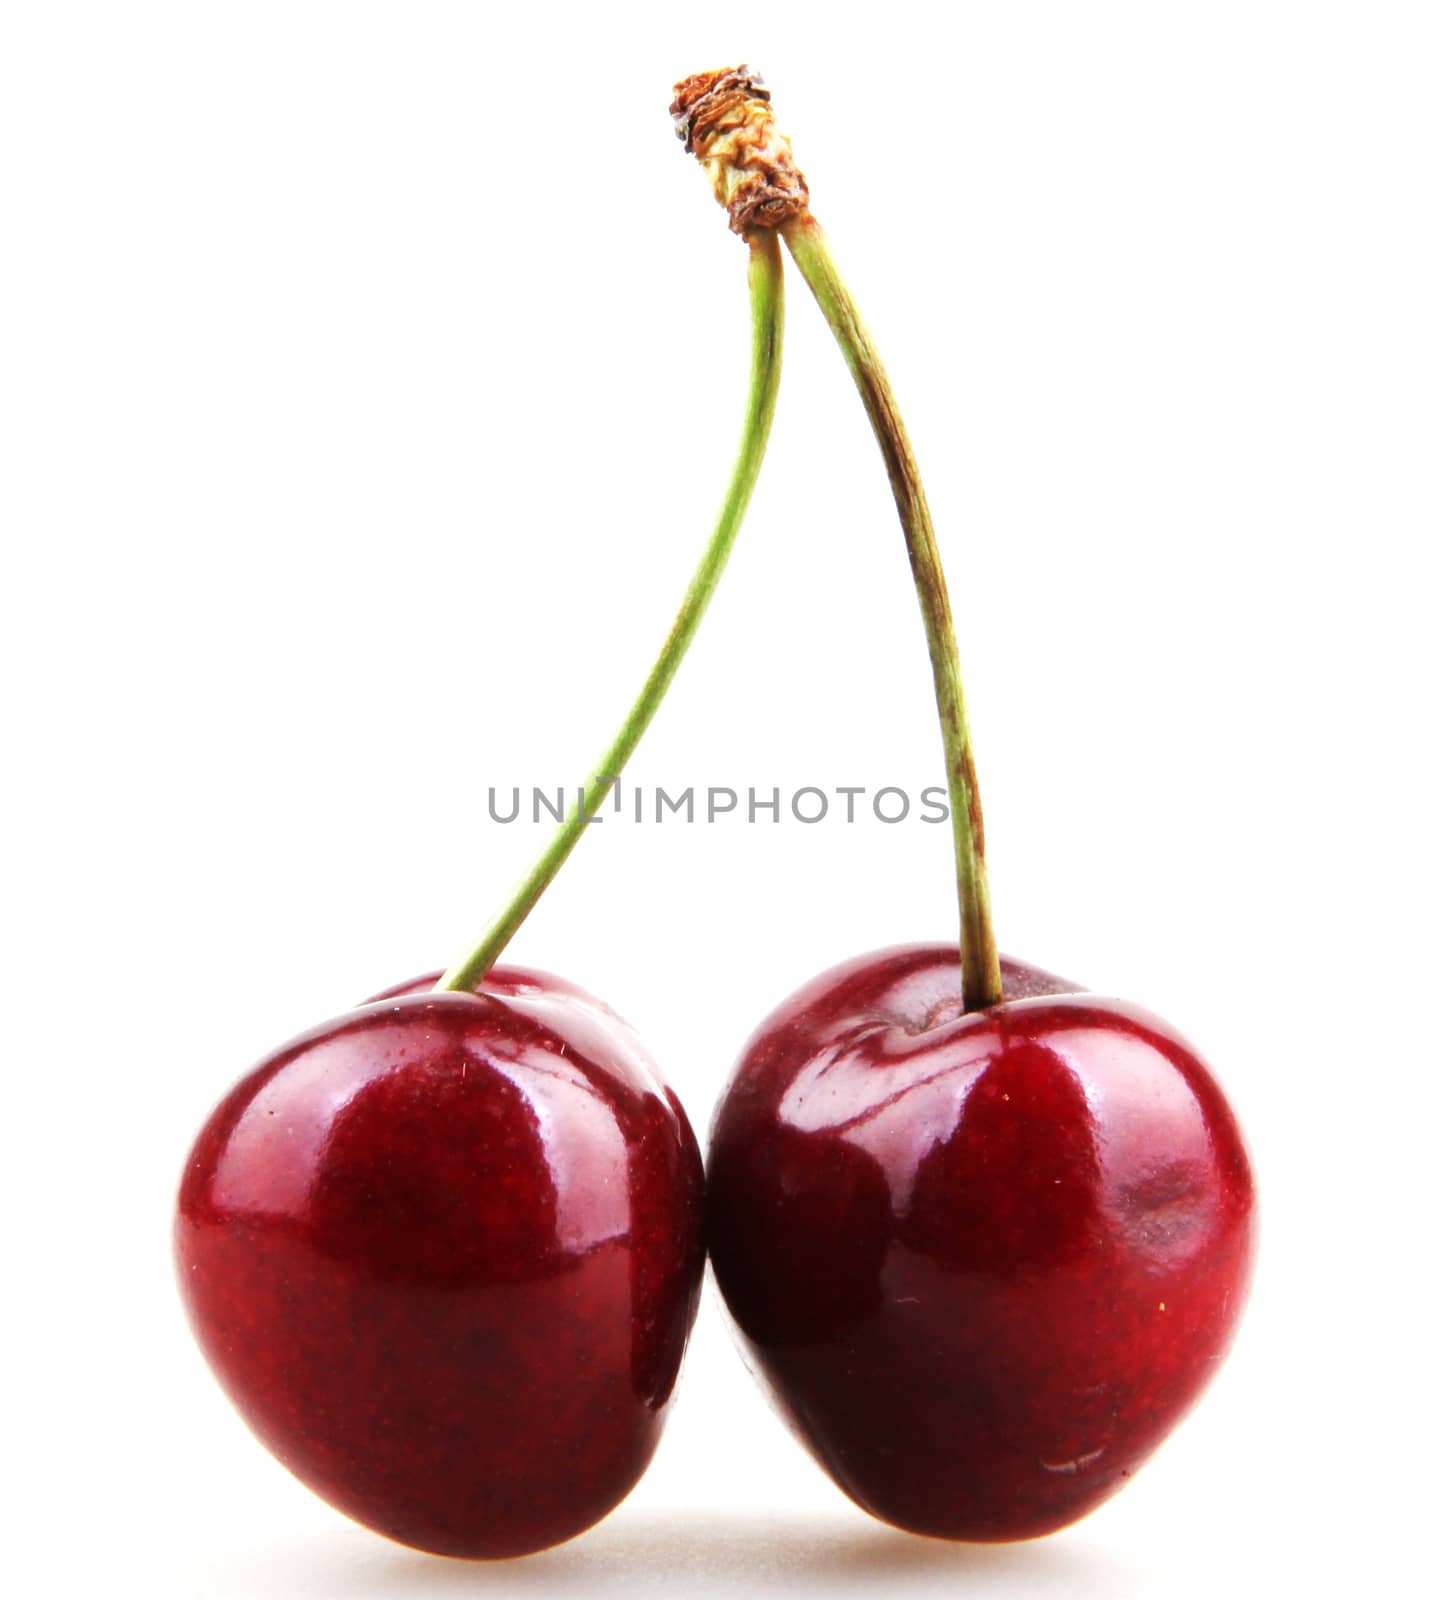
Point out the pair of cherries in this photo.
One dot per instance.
(984, 1237)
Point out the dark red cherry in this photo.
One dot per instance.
(981, 1263)
(444, 1253)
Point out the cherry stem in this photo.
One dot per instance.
(766, 295)
(981, 972)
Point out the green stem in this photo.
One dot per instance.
(766, 293)
(982, 975)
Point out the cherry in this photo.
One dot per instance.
(984, 1236)
(983, 1262)
(444, 1254)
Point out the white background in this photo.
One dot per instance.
(369, 376)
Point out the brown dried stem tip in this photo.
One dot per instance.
(723, 119)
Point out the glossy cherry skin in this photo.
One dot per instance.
(981, 1263)
(444, 1253)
